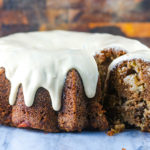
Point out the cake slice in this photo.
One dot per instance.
(128, 91)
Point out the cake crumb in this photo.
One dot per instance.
(111, 132)
(117, 129)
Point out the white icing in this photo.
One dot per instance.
(91, 42)
(141, 54)
(34, 68)
(42, 59)
(99, 42)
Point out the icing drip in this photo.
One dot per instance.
(34, 69)
(42, 59)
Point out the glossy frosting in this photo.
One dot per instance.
(42, 59)
(34, 68)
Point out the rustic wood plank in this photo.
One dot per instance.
(13, 17)
(130, 29)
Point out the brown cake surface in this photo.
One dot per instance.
(73, 114)
(5, 108)
(103, 59)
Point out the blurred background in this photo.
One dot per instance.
(130, 18)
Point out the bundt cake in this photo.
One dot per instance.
(56, 80)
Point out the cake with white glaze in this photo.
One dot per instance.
(51, 81)
(127, 98)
